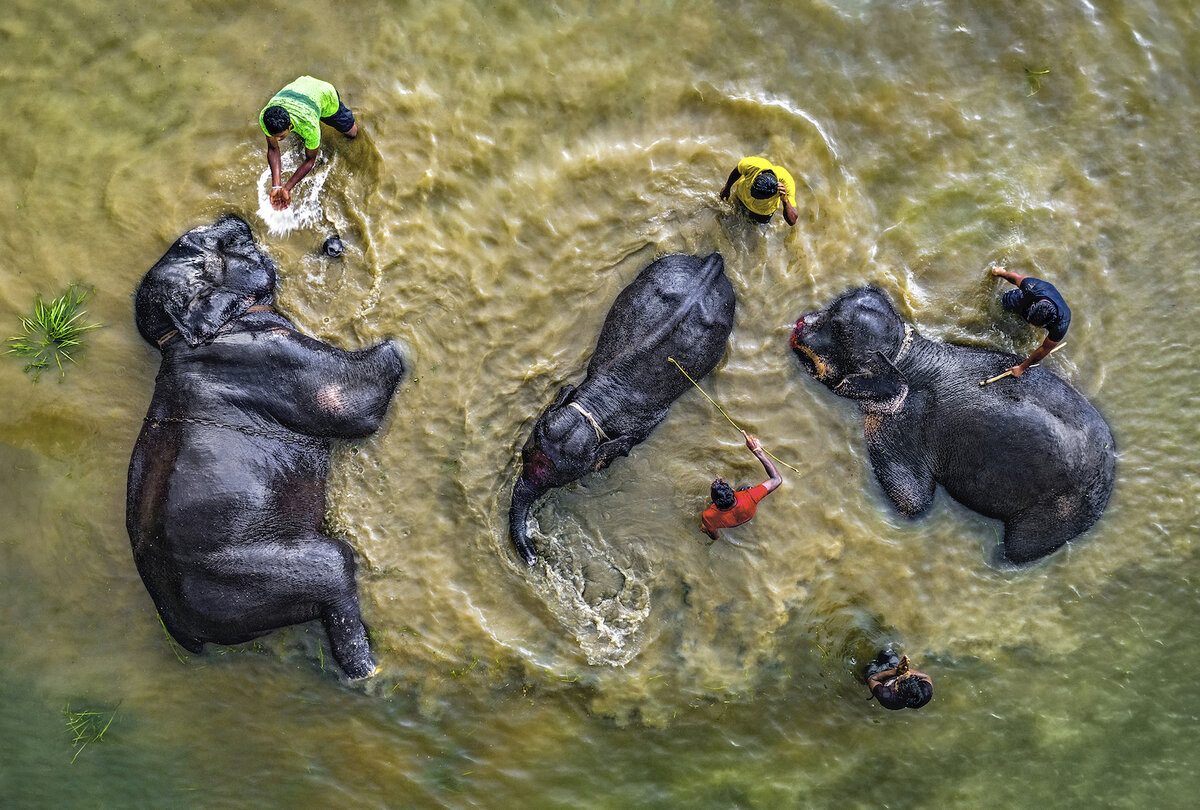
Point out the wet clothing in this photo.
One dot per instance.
(885, 692)
(744, 507)
(749, 168)
(308, 102)
(1030, 292)
(889, 697)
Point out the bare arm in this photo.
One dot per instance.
(310, 160)
(773, 482)
(274, 162)
(887, 674)
(789, 211)
(1008, 275)
(279, 198)
(1038, 354)
(733, 175)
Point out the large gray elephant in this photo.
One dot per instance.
(1031, 452)
(226, 493)
(679, 306)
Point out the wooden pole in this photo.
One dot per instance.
(1009, 372)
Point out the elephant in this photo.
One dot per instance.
(226, 489)
(678, 307)
(1033, 452)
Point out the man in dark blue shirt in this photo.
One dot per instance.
(1039, 303)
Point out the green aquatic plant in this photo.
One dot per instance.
(87, 726)
(53, 333)
(1033, 78)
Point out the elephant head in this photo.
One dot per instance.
(565, 445)
(852, 346)
(211, 275)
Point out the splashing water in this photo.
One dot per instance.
(306, 210)
(601, 600)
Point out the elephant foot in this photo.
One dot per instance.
(375, 671)
(348, 640)
(1031, 537)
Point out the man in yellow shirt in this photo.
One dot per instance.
(301, 107)
(761, 187)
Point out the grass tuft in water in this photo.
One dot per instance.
(53, 333)
(1033, 79)
(87, 726)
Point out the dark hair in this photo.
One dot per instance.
(764, 186)
(722, 495)
(908, 689)
(276, 119)
(1041, 313)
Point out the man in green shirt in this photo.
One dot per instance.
(301, 107)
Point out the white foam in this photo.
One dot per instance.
(306, 210)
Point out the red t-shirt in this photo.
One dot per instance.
(741, 511)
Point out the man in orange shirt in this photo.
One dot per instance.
(730, 508)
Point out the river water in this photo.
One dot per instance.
(519, 163)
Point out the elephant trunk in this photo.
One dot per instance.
(524, 494)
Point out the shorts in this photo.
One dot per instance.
(342, 120)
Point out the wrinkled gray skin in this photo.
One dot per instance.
(1031, 452)
(680, 306)
(226, 490)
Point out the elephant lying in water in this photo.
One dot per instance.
(1032, 452)
(679, 306)
(227, 482)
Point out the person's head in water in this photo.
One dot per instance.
(908, 689)
(722, 495)
(1041, 313)
(764, 186)
(276, 120)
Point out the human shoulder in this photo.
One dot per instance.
(754, 163)
(1039, 288)
(756, 493)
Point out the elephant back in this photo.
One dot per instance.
(679, 306)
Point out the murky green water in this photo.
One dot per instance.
(519, 164)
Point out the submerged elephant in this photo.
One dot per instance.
(227, 482)
(1032, 452)
(681, 307)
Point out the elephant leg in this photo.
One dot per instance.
(1033, 534)
(267, 585)
(182, 637)
(898, 466)
(909, 485)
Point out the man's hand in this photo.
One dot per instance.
(1018, 369)
(902, 667)
(752, 442)
(281, 198)
(783, 189)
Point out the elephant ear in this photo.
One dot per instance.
(206, 279)
(880, 382)
(185, 291)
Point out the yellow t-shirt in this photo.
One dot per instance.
(749, 168)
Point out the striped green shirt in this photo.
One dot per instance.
(307, 101)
